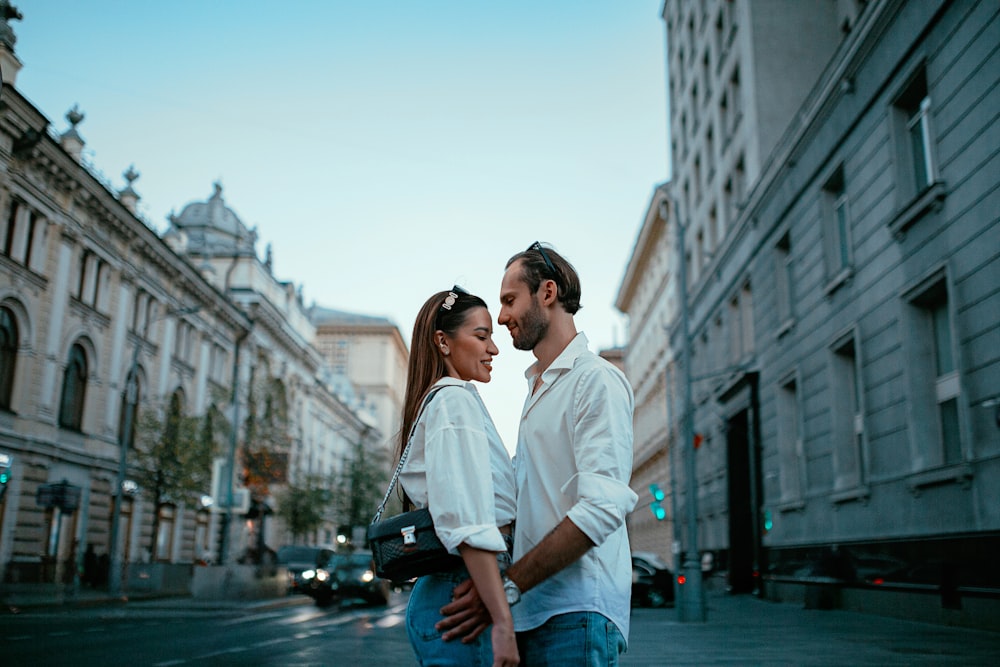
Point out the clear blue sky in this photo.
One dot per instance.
(386, 149)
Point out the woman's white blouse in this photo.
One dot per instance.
(459, 468)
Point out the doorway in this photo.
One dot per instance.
(742, 505)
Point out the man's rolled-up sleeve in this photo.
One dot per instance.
(601, 506)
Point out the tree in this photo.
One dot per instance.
(173, 456)
(361, 485)
(303, 506)
(267, 440)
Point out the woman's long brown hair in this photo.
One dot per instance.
(426, 365)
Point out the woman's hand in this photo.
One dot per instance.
(504, 645)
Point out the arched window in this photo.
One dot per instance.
(8, 356)
(74, 389)
(135, 410)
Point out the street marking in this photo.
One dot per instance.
(252, 619)
(272, 642)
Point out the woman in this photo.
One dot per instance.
(458, 467)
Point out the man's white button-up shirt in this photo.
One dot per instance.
(574, 459)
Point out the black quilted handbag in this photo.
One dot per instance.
(405, 546)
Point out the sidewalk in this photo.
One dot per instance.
(743, 630)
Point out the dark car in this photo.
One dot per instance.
(346, 576)
(296, 559)
(652, 581)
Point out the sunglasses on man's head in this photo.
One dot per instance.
(545, 257)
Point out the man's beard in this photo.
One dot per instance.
(532, 328)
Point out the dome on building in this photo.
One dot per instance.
(212, 228)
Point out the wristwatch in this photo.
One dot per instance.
(511, 590)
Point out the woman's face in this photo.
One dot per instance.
(468, 354)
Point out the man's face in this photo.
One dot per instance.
(520, 311)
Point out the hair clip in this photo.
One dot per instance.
(449, 301)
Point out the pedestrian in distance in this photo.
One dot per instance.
(570, 584)
(458, 467)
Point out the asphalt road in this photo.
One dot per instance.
(161, 635)
(740, 630)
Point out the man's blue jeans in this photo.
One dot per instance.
(578, 639)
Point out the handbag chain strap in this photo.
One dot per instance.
(402, 457)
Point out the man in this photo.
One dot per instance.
(570, 585)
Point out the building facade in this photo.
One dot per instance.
(844, 338)
(99, 313)
(371, 353)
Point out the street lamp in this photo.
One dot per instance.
(692, 598)
(131, 399)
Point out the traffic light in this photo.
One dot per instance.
(768, 521)
(655, 506)
(5, 461)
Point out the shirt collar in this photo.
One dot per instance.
(449, 380)
(566, 358)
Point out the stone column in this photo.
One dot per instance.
(119, 358)
(57, 320)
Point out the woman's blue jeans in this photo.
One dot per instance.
(430, 593)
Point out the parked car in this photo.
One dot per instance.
(652, 581)
(298, 558)
(346, 576)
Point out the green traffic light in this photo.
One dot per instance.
(4, 477)
(658, 511)
(657, 492)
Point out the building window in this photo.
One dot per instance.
(847, 415)
(142, 312)
(735, 100)
(22, 233)
(934, 377)
(202, 538)
(915, 142)
(8, 243)
(784, 282)
(165, 532)
(8, 356)
(789, 442)
(713, 229)
(135, 410)
(341, 353)
(836, 229)
(92, 279)
(746, 319)
(74, 389)
(29, 238)
(735, 326)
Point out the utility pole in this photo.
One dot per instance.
(692, 601)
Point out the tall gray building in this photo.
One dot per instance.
(836, 181)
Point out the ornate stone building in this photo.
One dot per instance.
(92, 297)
